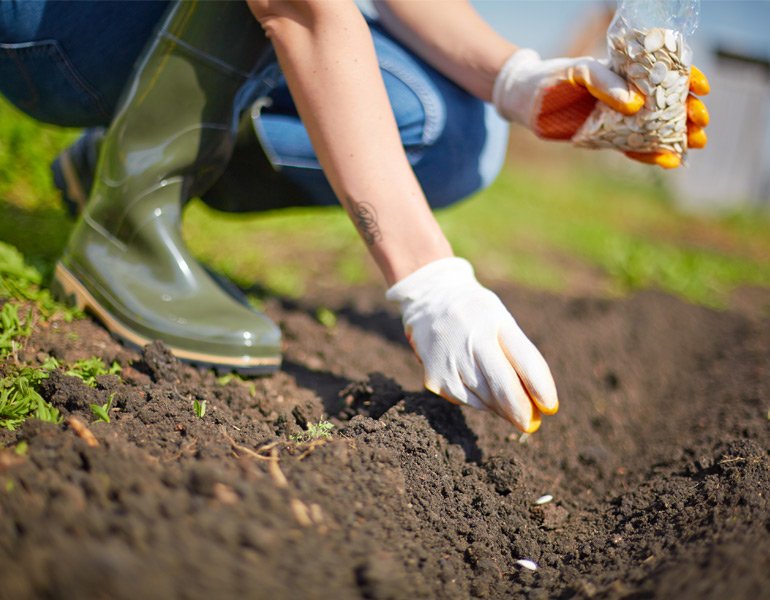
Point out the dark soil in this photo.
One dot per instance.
(658, 464)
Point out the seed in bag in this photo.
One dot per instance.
(654, 60)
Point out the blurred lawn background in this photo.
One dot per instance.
(556, 219)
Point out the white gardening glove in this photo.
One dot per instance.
(471, 348)
(554, 97)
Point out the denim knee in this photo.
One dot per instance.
(67, 62)
(455, 142)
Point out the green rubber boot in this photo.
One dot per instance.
(126, 261)
(249, 183)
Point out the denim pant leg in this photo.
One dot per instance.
(455, 143)
(66, 63)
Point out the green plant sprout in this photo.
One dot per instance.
(88, 369)
(315, 431)
(199, 408)
(19, 400)
(12, 327)
(228, 377)
(326, 317)
(102, 411)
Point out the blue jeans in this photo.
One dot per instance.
(67, 62)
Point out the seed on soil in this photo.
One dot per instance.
(83, 432)
(544, 499)
(527, 564)
(301, 512)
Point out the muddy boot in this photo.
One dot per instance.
(174, 132)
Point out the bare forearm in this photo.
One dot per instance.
(452, 37)
(328, 58)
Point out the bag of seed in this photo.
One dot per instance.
(647, 45)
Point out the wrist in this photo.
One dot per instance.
(511, 95)
(433, 278)
(399, 256)
(398, 268)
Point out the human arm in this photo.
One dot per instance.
(552, 97)
(452, 37)
(326, 53)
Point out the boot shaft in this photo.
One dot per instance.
(177, 119)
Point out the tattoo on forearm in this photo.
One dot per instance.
(366, 220)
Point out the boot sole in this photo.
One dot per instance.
(76, 294)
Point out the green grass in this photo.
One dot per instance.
(545, 232)
(628, 231)
(32, 218)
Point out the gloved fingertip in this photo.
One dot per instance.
(699, 84)
(548, 410)
(665, 160)
(626, 102)
(697, 112)
(635, 102)
(696, 136)
(535, 422)
(548, 403)
(668, 160)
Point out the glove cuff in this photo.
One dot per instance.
(511, 95)
(439, 274)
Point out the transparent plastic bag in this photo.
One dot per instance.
(647, 43)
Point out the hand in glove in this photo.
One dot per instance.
(554, 97)
(472, 350)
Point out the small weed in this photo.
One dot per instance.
(199, 408)
(326, 317)
(225, 379)
(50, 364)
(315, 431)
(21, 448)
(102, 411)
(21, 281)
(12, 327)
(19, 399)
(47, 412)
(88, 369)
